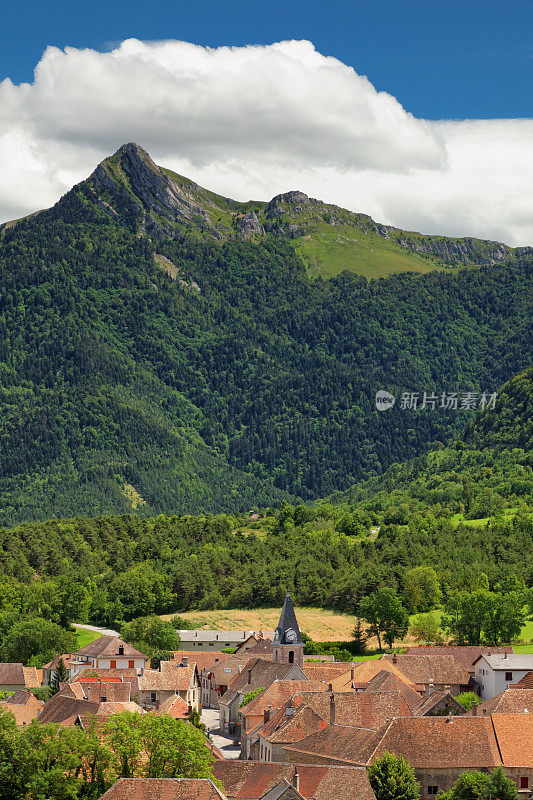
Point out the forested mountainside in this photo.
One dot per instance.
(486, 469)
(161, 365)
(123, 566)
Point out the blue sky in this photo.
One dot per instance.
(442, 59)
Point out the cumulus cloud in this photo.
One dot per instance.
(257, 120)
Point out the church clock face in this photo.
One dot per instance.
(290, 635)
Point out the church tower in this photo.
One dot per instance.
(288, 645)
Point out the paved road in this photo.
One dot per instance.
(103, 631)
(225, 745)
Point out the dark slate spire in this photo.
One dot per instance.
(287, 631)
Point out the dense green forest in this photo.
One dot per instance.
(330, 553)
(233, 382)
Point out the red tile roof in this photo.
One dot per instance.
(170, 677)
(277, 695)
(202, 660)
(524, 683)
(363, 709)
(515, 738)
(163, 789)
(511, 701)
(249, 780)
(465, 655)
(175, 706)
(108, 647)
(12, 674)
(425, 669)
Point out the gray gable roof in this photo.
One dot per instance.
(287, 631)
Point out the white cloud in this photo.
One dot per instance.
(255, 121)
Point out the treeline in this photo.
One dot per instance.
(123, 567)
(119, 386)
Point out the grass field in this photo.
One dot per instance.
(480, 523)
(85, 637)
(320, 624)
(329, 251)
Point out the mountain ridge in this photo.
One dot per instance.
(152, 200)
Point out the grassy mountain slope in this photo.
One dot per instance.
(148, 353)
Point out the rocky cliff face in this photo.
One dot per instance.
(129, 184)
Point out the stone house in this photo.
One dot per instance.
(431, 672)
(217, 640)
(154, 686)
(217, 679)
(24, 706)
(14, 677)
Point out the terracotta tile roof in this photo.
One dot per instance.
(362, 709)
(72, 690)
(442, 742)
(259, 648)
(366, 670)
(55, 661)
(386, 681)
(108, 647)
(423, 669)
(163, 789)
(113, 692)
(26, 709)
(465, 655)
(226, 671)
(202, 660)
(171, 677)
(263, 674)
(328, 671)
(21, 697)
(347, 745)
(514, 733)
(12, 674)
(511, 701)
(31, 677)
(281, 728)
(524, 683)
(249, 780)
(63, 708)
(277, 695)
(175, 706)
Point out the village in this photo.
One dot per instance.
(284, 726)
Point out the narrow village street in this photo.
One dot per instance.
(224, 744)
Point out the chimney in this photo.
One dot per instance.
(394, 658)
(290, 711)
(474, 709)
(266, 715)
(330, 687)
(185, 661)
(121, 649)
(249, 676)
(352, 674)
(332, 709)
(296, 779)
(447, 689)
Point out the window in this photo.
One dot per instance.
(153, 697)
(508, 676)
(524, 782)
(433, 789)
(291, 656)
(113, 665)
(131, 663)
